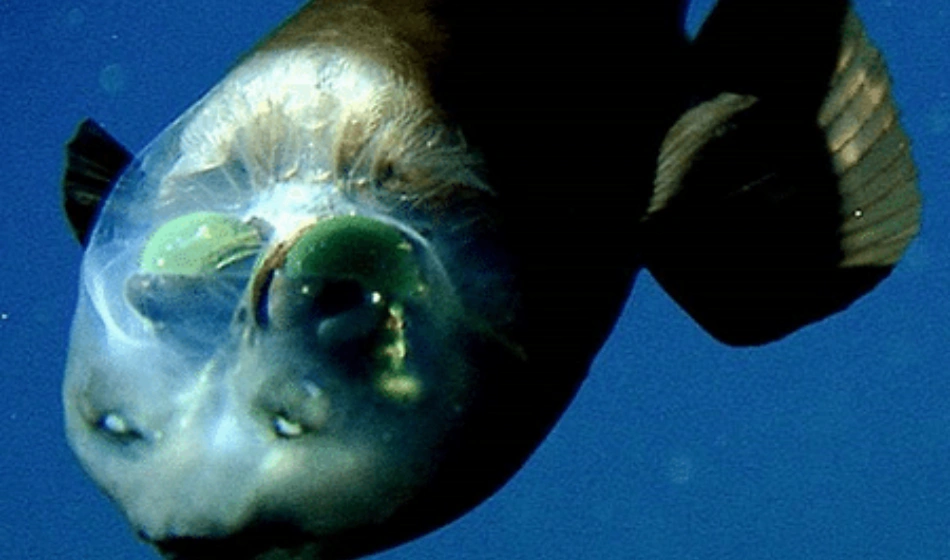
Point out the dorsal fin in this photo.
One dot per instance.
(769, 214)
(94, 162)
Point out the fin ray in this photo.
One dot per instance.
(766, 214)
(94, 162)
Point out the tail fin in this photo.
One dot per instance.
(788, 190)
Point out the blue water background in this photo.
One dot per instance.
(834, 443)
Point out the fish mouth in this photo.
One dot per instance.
(268, 541)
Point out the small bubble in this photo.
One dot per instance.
(4, 316)
(938, 119)
(75, 18)
(679, 469)
(112, 78)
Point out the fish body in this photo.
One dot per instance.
(341, 299)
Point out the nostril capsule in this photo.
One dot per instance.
(118, 427)
(115, 424)
(287, 428)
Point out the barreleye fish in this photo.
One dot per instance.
(341, 299)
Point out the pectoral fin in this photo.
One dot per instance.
(768, 213)
(94, 162)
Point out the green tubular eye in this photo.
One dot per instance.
(382, 264)
(198, 244)
(374, 254)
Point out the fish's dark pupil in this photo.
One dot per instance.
(339, 296)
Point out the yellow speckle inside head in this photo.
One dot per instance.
(400, 387)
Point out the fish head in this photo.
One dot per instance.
(284, 347)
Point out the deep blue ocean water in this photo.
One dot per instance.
(833, 443)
